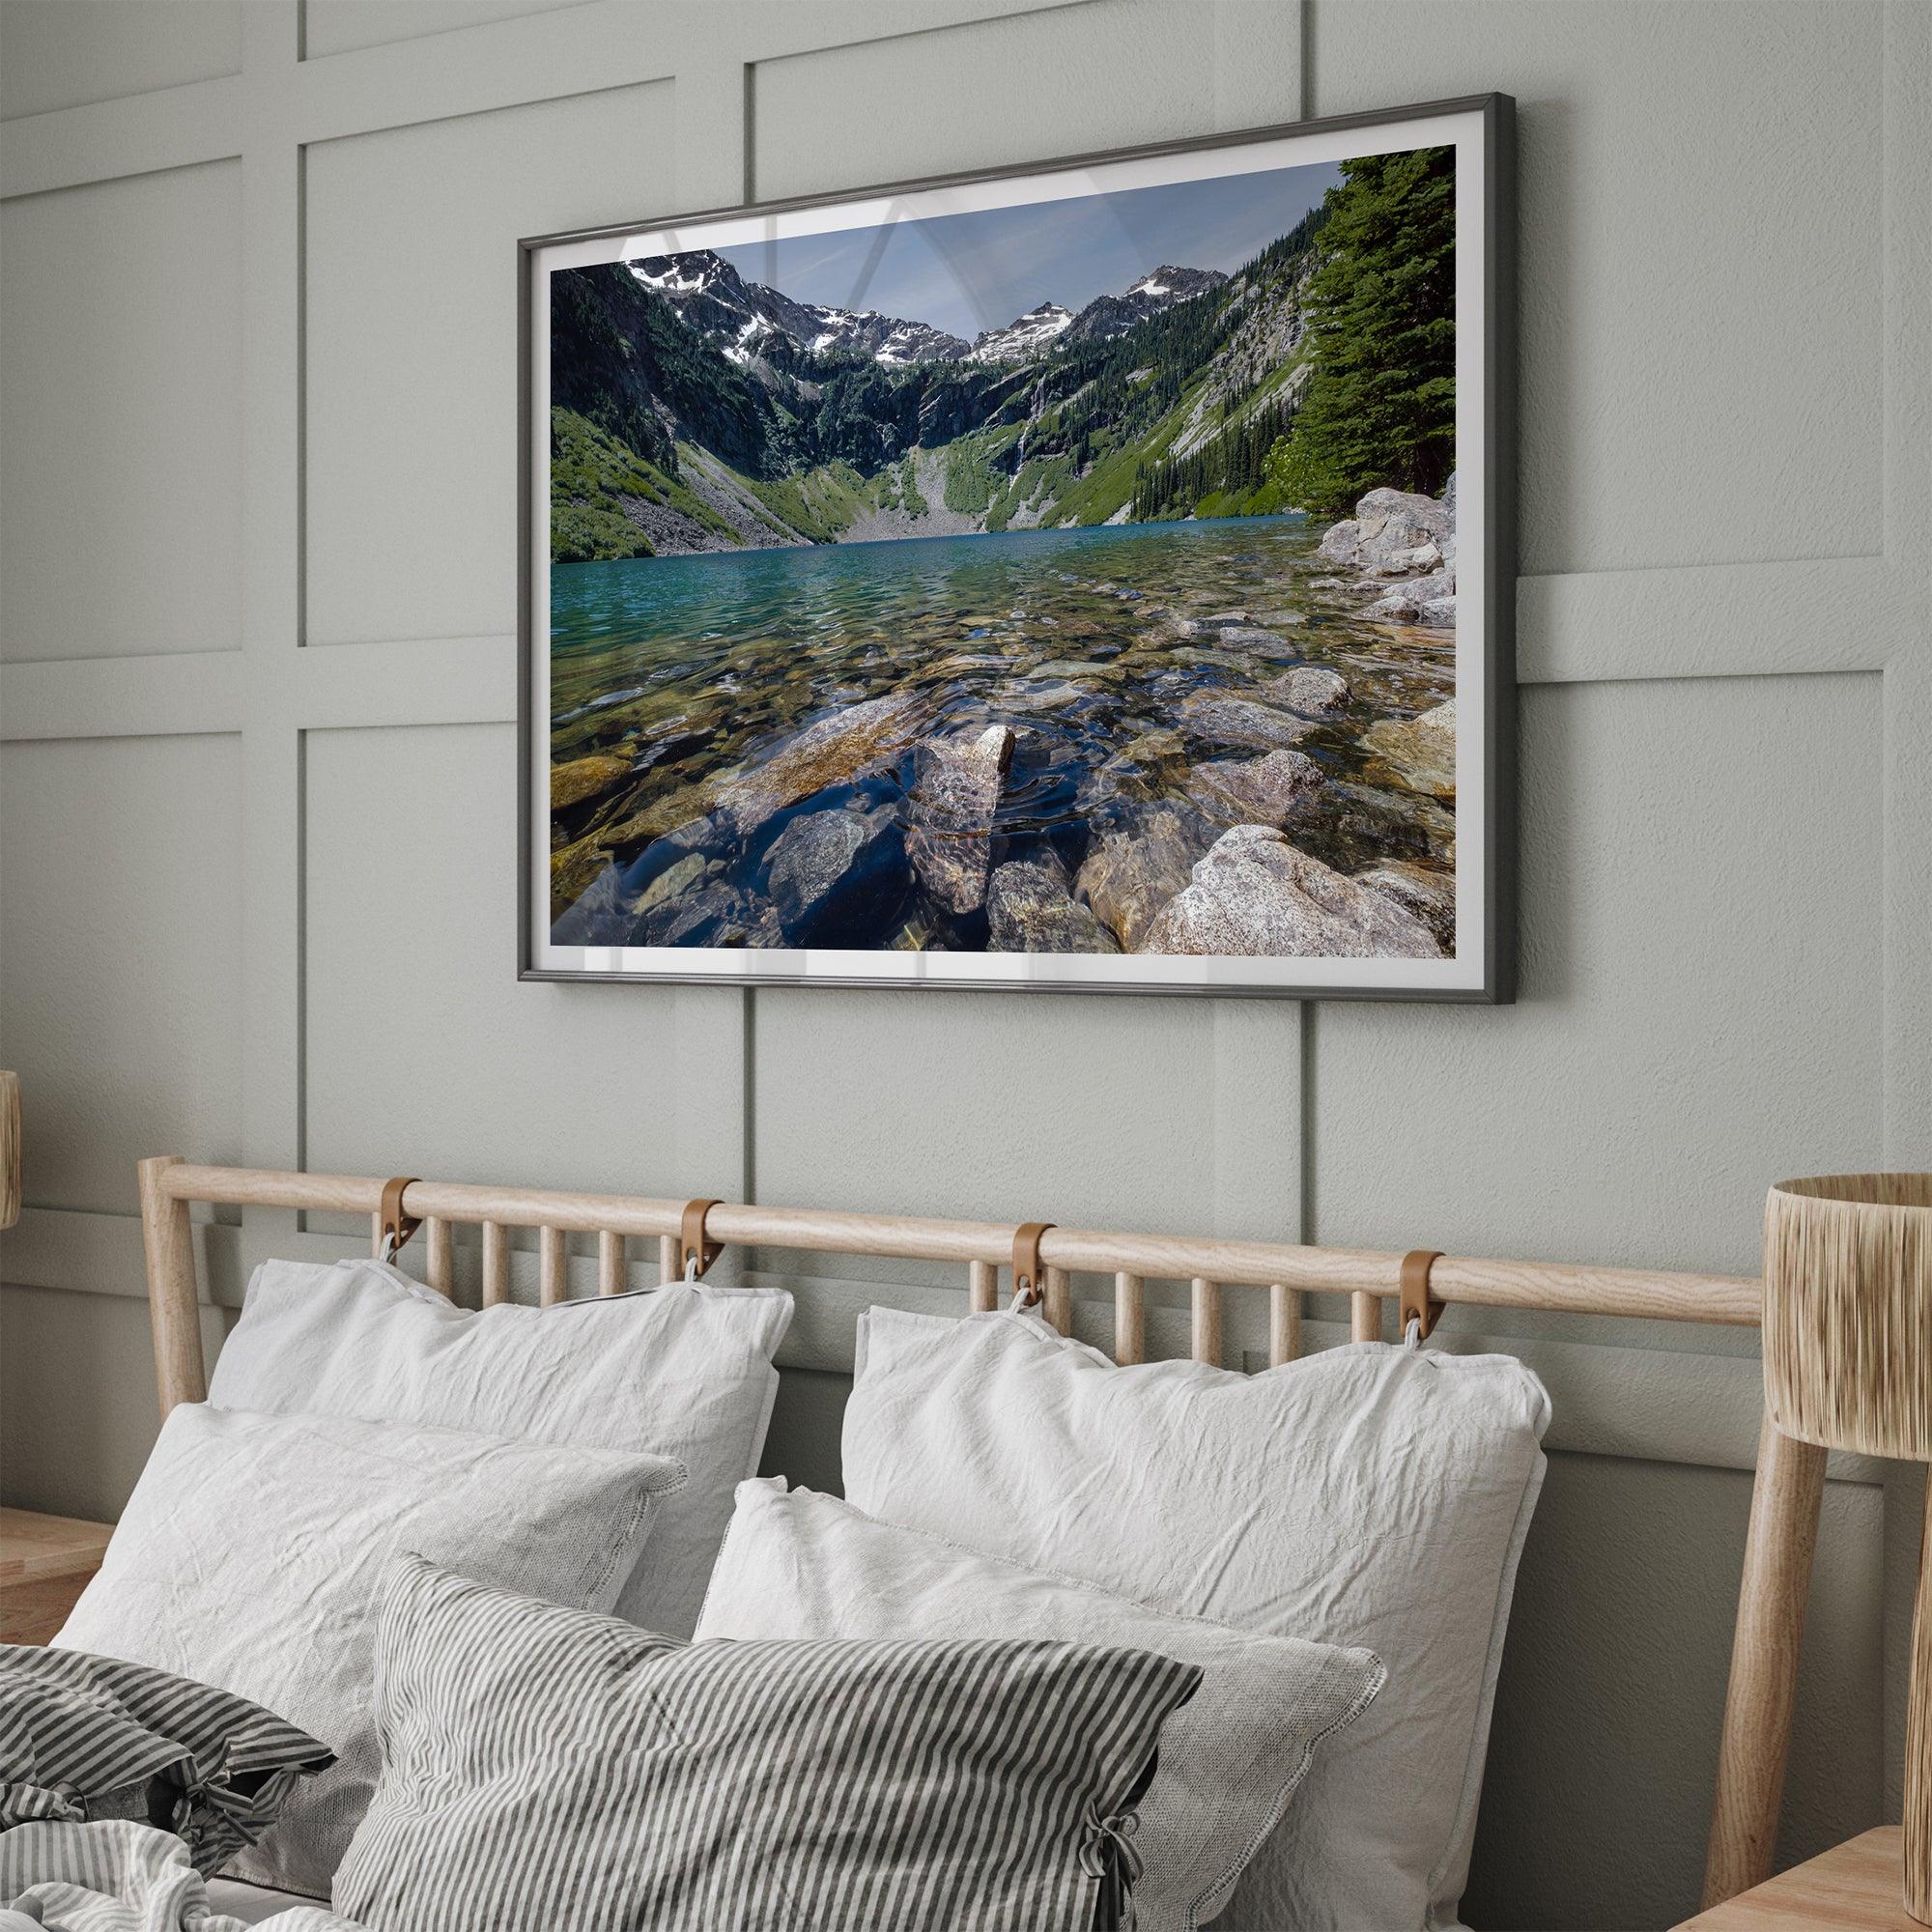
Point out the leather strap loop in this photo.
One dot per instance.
(397, 1225)
(692, 1245)
(1029, 1278)
(1418, 1304)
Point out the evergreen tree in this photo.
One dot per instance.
(1380, 403)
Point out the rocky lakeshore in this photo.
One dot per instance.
(1171, 739)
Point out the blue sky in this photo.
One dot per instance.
(965, 272)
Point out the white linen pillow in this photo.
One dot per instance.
(682, 1371)
(796, 1564)
(1368, 1496)
(252, 1552)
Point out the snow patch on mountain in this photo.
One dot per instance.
(1024, 336)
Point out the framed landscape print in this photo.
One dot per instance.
(1096, 576)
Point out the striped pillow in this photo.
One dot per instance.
(84, 1737)
(567, 1768)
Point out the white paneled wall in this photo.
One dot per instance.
(257, 580)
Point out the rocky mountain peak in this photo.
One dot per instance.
(1024, 335)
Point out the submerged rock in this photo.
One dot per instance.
(584, 778)
(1240, 720)
(1258, 897)
(831, 871)
(1030, 908)
(680, 876)
(1421, 749)
(597, 915)
(1137, 863)
(660, 816)
(844, 746)
(1430, 894)
(1256, 791)
(715, 915)
(573, 870)
(1149, 748)
(950, 815)
(1078, 671)
(1313, 689)
(1053, 695)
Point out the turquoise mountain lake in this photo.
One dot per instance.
(1109, 653)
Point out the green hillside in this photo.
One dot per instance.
(1323, 367)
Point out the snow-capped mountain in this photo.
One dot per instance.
(885, 338)
(1024, 336)
(1109, 316)
(748, 320)
(742, 317)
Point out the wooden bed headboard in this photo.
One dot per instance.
(1043, 1259)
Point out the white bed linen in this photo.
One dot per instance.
(251, 1553)
(254, 1904)
(1365, 1495)
(683, 1371)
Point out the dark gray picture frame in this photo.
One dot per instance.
(1494, 646)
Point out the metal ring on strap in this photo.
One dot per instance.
(695, 1250)
(1418, 1304)
(395, 1226)
(1029, 1279)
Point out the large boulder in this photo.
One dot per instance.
(1430, 894)
(1255, 791)
(1421, 750)
(1255, 895)
(1031, 908)
(950, 813)
(837, 748)
(1240, 720)
(1338, 545)
(1136, 863)
(1387, 524)
(1394, 521)
(831, 872)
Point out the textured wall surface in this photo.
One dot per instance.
(257, 543)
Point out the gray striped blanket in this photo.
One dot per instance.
(84, 1737)
(113, 1875)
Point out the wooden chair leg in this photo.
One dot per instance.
(1783, 1537)
(1918, 1740)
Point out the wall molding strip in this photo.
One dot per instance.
(139, 135)
(166, 695)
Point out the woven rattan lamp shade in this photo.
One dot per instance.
(1848, 1365)
(1848, 1312)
